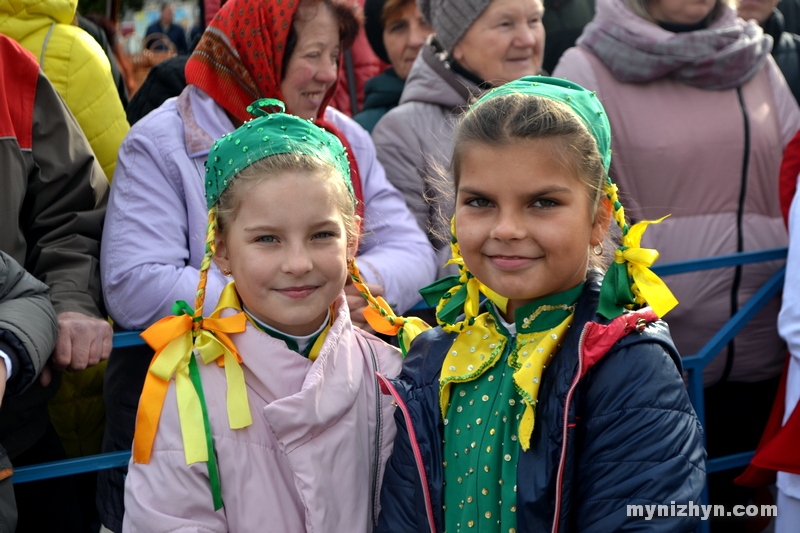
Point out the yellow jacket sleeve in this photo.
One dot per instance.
(81, 73)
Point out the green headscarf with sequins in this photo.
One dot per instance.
(270, 134)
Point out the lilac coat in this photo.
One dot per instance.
(312, 460)
(154, 235)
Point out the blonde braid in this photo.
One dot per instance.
(211, 248)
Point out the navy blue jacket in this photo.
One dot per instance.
(175, 34)
(614, 427)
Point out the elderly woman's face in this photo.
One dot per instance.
(680, 11)
(313, 66)
(505, 43)
(403, 37)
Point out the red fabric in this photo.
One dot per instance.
(777, 449)
(19, 73)
(598, 339)
(790, 168)
(780, 452)
(256, 30)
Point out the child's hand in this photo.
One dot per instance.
(357, 303)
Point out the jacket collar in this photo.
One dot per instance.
(204, 121)
(432, 81)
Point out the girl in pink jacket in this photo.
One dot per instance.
(266, 415)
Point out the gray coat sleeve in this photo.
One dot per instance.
(399, 149)
(28, 326)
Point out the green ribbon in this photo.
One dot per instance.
(437, 290)
(182, 308)
(213, 472)
(615, 291)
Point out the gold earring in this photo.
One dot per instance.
(595, 251)
(227, 272)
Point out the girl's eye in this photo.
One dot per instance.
(545, 202)
(478, 202)
(267, 238)
(323, 235)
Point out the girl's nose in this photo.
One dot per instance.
(507, 227)
(297, 261)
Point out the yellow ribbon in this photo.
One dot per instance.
(173, 335)
(646, 285)
(172, 339)
(320, 342)
(530, 358)
(475, 350)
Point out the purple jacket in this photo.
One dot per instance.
(155, 228)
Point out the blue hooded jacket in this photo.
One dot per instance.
(614, 428)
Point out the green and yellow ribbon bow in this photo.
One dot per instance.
(629, 280)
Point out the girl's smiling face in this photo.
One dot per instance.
(524, 221)
(287, 248)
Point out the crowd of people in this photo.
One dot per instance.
(391, 260)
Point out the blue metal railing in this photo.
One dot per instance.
(693, 364)
(68, 467)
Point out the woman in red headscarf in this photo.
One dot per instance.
(153, 239)
(281, 49)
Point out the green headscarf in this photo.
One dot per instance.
(270, 134)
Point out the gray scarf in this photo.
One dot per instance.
(725, 55)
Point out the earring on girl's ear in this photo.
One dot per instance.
(227, 272)
(597, 251)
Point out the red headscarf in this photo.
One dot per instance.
(239, 59)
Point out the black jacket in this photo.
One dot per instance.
(613, 428)
(785, 50)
